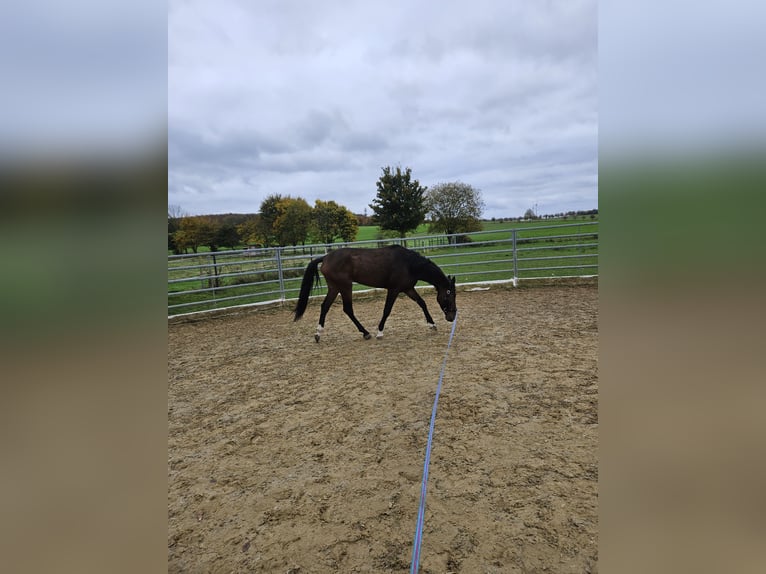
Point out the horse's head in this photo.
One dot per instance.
(446, 298)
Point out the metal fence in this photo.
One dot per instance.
(209, 281)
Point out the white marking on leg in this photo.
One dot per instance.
(431, 325)
(379, 335)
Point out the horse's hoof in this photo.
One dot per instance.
(316, 337)
(379, 335)
(367, 336)
(432, 326)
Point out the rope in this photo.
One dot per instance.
(422, 508)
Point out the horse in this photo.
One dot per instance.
(393, 268)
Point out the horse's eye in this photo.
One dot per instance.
(448, 291)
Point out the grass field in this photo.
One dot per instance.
(235, 278)
(373, 232)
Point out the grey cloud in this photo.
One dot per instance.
(313, 99)
(229, 150)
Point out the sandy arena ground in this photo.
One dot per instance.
(289, 456)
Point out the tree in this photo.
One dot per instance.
(291, 225)
(330, 220)
(348, 226)
(324, 218)
(267, 217)
(175, 214)
(530, 214)
(398, 205)
(250, 231)
(226, 235)
(208, 230)
(193, 232)
(454, 207)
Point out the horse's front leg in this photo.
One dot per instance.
(412, 294)
(390, 300)
(348, 308)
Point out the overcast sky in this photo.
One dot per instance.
(312, 99)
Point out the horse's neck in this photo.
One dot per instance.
(433, 275)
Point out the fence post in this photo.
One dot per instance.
(515, 261)
(215, 271)
(281, 274)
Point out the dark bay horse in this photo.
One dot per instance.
(393, 268)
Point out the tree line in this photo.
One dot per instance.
(530, 214)
(400, 206)
(282, 220)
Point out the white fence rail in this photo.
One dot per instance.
(208, 281)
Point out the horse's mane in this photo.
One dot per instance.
(421, 266)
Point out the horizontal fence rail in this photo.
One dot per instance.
(209, 281)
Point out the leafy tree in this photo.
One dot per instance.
(291, 225)
(193, 232)
(172, 228)
(250, 231)
(281, 221)
(348, 226)
(267, 219)
(530, 214)
(454, 207)
(208, 230)
(399, 204)
(226, 235)
(174, 219)
(330, 220)
(325, 220)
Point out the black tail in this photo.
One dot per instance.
(310, 278)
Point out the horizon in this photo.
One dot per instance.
(483, 218)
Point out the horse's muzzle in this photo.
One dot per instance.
(449, 315)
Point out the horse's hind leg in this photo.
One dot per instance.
(412, 294)
(332, 293)
(348, 309)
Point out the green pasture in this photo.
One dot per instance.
(373, 232)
